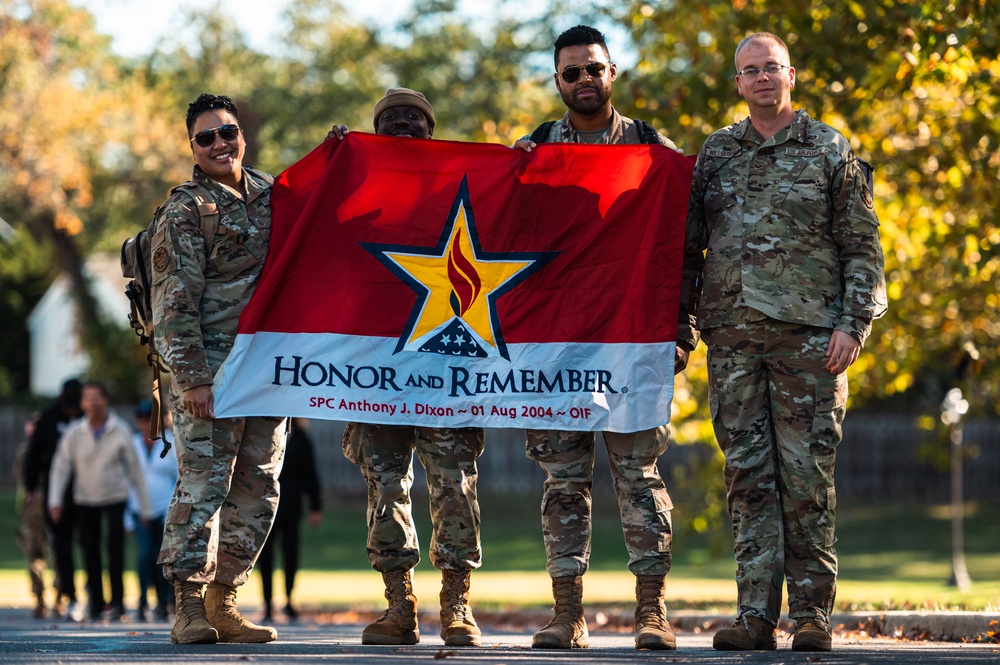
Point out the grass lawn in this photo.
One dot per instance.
(893, 556)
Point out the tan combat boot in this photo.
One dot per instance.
(398, 624)
(568, 628)
(458, 626)
(220, 606)
(191, 625)
(812, 635)
(749, 633)
(652, 631)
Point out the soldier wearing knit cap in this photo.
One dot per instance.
(385, 455)
(404, 98)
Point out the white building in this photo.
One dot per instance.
(53, 325)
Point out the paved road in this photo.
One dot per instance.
(23, 640)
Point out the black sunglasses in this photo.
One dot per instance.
(594, 69)
(206, 137)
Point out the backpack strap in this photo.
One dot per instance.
(541, 133)
(208, 211)
(647, 133)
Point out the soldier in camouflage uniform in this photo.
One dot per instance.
(789, 287)
(31, 525)
(385, 455)
(205, 269)
(584, 77)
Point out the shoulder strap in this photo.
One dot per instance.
(541, 133)
(648, 133)
(208, 211)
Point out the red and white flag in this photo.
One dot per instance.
(451, 284)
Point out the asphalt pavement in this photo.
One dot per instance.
(27, 640)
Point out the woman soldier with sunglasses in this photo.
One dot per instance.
(208, 246)
(584, 76)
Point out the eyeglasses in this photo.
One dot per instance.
(206, 137)
(595, 70)
(754, 72)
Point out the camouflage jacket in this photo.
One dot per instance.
(197, 298)
(622, 130)
(789, 228)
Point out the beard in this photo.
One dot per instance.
(586, 106)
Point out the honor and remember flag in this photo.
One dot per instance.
(446, 284)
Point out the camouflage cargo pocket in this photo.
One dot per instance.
(352, 443)
(179, 513)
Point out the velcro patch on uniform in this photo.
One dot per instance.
(719, 152)
(161, 259)
(804, 152)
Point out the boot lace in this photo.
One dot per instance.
(191, 604)
(650, 609)
(457, 594)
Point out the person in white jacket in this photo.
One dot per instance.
(97, 451)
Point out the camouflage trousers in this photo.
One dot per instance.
(226, 496)
(643, 501)
(385, 455)
(33, 542)
(777, 413)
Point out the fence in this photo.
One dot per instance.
(879, 458)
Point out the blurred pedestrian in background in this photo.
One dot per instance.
(160, 475)
(299, 481)
(31, 526)
(98, 450)
(37, 468)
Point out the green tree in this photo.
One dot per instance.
(82, 141)
(913, 84)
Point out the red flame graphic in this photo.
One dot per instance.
(465, 281)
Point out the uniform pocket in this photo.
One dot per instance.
(352, 443)
(237, 250)
(179, 513)
(831, 406)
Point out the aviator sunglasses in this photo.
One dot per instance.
(206, 137)
(594, 69)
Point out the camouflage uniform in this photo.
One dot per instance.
(385, 455)
(793, 254)
(568, 457)
(227, 489)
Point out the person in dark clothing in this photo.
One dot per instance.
(299, 480)
(37, 466)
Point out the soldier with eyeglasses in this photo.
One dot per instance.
(584, 78)
(783, 250)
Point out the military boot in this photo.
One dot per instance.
(220, 606)
(749, 633)
(458, 626)
(652, 631)
(191, 625)
(568, 628)
(398, 624)
(812, 635)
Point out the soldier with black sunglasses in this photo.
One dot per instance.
(584, 77)
(208, 246)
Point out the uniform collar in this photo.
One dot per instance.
(614, 134)
(797, 131)
(254, 186)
